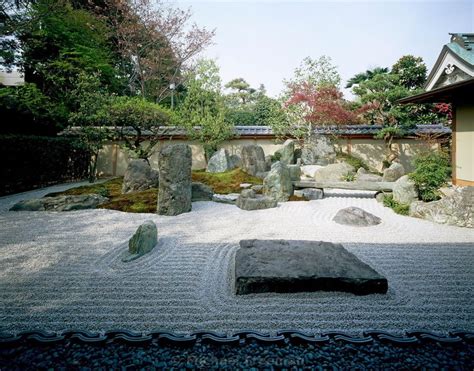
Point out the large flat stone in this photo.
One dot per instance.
(298, 266)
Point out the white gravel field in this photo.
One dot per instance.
(63, 270)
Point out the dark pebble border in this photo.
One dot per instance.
(291, 350)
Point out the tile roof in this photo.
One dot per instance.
(256, 131)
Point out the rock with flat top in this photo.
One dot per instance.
(299, 266)
(230, 198)
(249, 200)
(61, 203)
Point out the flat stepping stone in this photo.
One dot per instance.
(356, 217)
(302, 266)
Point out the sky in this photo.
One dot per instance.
(264, 41)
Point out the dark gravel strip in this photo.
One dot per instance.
(335, 354)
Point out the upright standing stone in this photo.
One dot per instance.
(277, 183)
(404, 190)
(174, 194)
(220, 162)
(253, 160)
(287, 152)
(318, 151)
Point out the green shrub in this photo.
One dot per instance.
(399, 208)
(432, 170)
(354, 161)
(276, 157)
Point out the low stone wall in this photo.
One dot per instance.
(113, 159)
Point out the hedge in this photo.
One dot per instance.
(29, 162)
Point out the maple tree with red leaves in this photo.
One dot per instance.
(324, 105)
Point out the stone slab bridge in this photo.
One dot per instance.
(356, 186)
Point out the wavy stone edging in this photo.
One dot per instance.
(414, 337)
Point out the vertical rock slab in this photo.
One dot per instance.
(174, 194)
(253, 160)
(287, 152)
(277, 184)
(220, 162)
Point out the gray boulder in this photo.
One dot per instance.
(287, 152)
(308, 171)
(201, 192)
(364, 176)
(60, 203)
(230, 198)
(318, 151)
(295, 172)
(393, 173)
(310, 193)
(220, 162)
(174, 194)
(404, 191)
(257, 188)
(356, 217)
(253, 160)
(455, 209)
(249, 200)
(302, 266)
(142, 242)
(333, 172)
(235, 161)
(139, 176)
(277, 184)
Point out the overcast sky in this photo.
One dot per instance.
(263, 41)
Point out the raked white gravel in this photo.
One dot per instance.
(63, 270)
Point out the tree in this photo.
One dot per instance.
(139, 123)
(313, 72)
(364, 76)
(156, 43)
(203, 111)
(89, 116)
(242, 93)
(309, 107)
(411, 71)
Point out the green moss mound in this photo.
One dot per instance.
(225, 183)
(146, 201)
(399, 208)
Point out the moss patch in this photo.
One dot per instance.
(354, 161)
(136, 202)
(225, 183)
(399, 208)
(296, 198)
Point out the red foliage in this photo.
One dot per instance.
(325, 105)
(444, 109)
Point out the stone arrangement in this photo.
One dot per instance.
(230, 198)
(175, 192)
(249, 200)
(139, 176)
(60, 203)
(299, 266)
(142, 242)
(357, 217)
